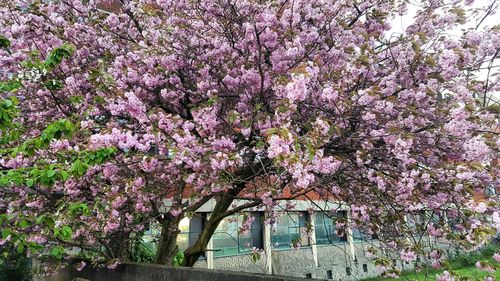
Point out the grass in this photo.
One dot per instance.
(471, 272)
(463, 265)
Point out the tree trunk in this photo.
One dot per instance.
(119, 246)
(193, 253)
(167, 245)
(223, 203)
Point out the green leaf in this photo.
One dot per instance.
(4, 42)
(20, 249)
(79, 209)
(40, 219)
(57, 55)
(30, 182)
(23, 224)
(76, 99)
(51, 173)
(79, 168)
(365, 60)
(233, 116)
(14, 100)
(64, 175)
(53, 85)
(10, 86)
(57, 252)
(66, 233)
(212, 101)
(6, 232)
(460, 13)
(255, 257)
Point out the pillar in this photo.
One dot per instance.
(350, 240)
(209, 253)
(268, 248)
(314, 248)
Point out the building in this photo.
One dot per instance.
(323, 254)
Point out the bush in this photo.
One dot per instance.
(488, 251)
(464, 260)
(178, 259)
(142, 251)
(470, 259)
(14, 266)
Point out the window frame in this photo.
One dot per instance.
(329, 229)
(254, 234)
(299, 225)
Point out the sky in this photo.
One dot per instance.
(400, 23)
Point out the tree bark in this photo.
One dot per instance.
(167, 245)
(193, 253)
(119, 246)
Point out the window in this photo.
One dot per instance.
(148, 230)
(490, 191)
(190, 229)
(228, 240)
(289, 229)
(360, 234)
(183, 236)
(325, 229)
(151, 232)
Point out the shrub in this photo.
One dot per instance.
(14, 266)
(142, 251)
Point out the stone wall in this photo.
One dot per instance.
(335, 263)
(297, 263)
(240, 263)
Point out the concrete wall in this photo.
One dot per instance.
(335, 262)
(145, 272)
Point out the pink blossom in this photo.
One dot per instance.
(496, 256)
(297, 89)
(480, 207)
(176, 212)
(408, 256)
(369, 255)
(496, 220)
(111, 226)
(81, 266)
(436, 264)
(277, 146)
(435, 254)
(113, 265)
(484, 266)
(445, 276)
(284, 98)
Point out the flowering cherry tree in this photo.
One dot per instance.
(112, 120)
